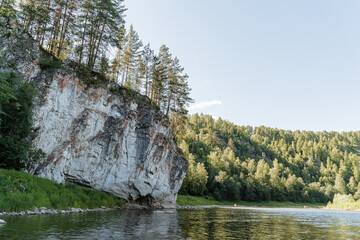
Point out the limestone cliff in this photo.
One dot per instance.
(112, 142)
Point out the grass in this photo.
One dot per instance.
(20, 191)
(202, 201)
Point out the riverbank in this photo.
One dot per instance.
(24, 193)
(189, 202)
(44, 210)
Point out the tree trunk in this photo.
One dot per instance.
(92, 43)
(83, 37)
(98, 44)
(56, 30)
(64, 29)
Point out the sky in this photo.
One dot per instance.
(291, 65)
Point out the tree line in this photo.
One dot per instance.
(86, 31)
(230, 162)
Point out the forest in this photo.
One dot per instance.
(91, 34)
(230, 162)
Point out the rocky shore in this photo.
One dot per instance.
(44, 210)
(197, 207)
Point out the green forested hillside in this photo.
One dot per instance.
(231, 162)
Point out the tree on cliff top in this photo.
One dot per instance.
(85, 30)
(7, 9)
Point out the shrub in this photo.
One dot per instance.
(16, 106)
(49, 62)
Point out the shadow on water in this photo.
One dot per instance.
(187, 224)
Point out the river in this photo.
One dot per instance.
(237, 223)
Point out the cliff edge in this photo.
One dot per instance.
(94, 137)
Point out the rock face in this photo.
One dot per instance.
(98, 139)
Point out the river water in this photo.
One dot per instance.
(247, 223)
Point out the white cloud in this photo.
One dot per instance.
(202, 105)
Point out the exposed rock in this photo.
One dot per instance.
(97, 139)
(135, 206)
(67, 211)
(2, 222)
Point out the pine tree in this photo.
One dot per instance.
(83, 26)
(67, 23)
(28, 10)
(116, 62)
(147, 60)
(183, 98)
(173, 84)
(130, 55)
(104, 65)
(44, 20)
(158, 73)
(140, 72)
(165, 59)
(7, 9)
(102, 29)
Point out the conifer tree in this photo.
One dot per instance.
(165, 59)
(147, 57)
(86, 11)
(130, 55)
(97, 28)
(7, 9)
(140, 72)
(173, 84)
(87, 28)
(116, 62)
(28, 9)
(104, 65)
(67, 23)
(158, 80)
(105, 18)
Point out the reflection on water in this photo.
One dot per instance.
(188, 224)
(126, 224)
(270, 224)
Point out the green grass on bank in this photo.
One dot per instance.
(20, 191)
(202, 201)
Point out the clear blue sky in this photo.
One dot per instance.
(285, 64)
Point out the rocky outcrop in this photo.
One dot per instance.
(95, 138)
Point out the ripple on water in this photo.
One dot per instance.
(187, 224)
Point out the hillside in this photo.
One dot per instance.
(231, 162)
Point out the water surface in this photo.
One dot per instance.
(250, 223)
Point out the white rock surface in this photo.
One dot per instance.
(104, 141)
